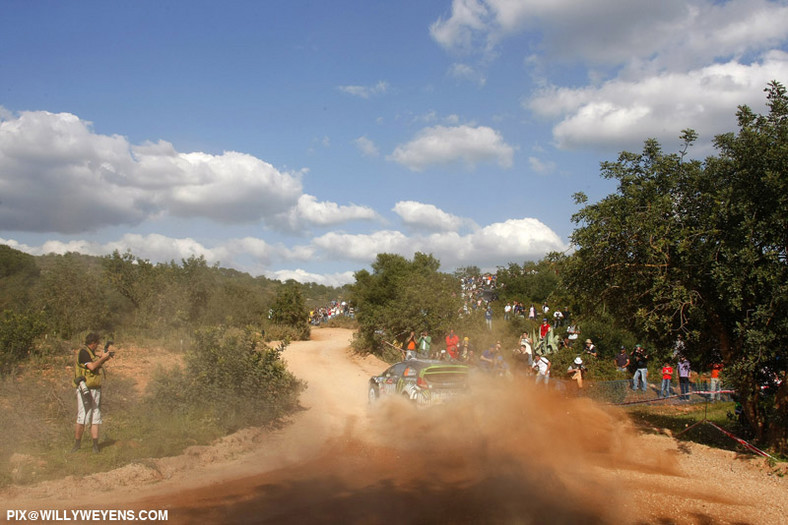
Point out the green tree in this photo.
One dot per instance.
(699, 248)
(72, 296)
(289, 308)
(131, 276)
(18, 332)
(400, 296)
(200, 282)
(531, 282)
(467, 272)
(18, 274)
(231, 378)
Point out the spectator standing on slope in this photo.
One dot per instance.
(424, 344)
(452, 344)
(667, 377)
(542, 367)
(684, 377)
(622, 360)
(714, 384)
(640, 358)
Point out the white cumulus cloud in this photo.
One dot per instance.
(621, 112)
(58, 175)
(361, 247)
(332, 279)
(365, 91)
(367, 147)
(442, 145)
(652, 68)
(427, 216)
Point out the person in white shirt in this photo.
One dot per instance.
(542, 367)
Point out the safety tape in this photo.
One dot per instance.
(737, 439)
(741, 441)
(674, 396)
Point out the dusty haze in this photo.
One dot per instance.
(509, 453)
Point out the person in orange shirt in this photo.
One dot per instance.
(667, 376)
(715, 381)
(410, 346)
(452, 342)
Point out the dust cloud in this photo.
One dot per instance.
(510, 453)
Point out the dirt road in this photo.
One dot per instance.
(509, 455)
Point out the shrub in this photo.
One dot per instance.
(280, 332)
(230, 379)
(18, 333)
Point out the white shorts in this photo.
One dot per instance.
(93, 414)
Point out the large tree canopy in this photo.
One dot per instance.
(401, 295)
(699, 249)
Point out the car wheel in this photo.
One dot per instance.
(373, 394)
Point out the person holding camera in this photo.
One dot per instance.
(87, 379)
(640, 359)
(577, 371)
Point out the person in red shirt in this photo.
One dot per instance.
(452, 343)
(715, 381)
(544, 328)
(667, 376)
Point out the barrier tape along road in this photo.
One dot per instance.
(745, 444)
(674, 396)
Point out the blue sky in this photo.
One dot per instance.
(299, 139)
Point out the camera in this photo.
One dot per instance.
(83, 388)
(84, 392)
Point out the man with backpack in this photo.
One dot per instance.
(87, 379)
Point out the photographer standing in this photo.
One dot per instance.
(87, 379)
(640, 359)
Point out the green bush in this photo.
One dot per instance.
(341, 321)
(230, 379)
(281, 332)
(18, 333)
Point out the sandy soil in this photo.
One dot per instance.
(509, 454)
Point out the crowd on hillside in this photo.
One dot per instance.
(478, 292)
(532, 358)
(334, 309)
